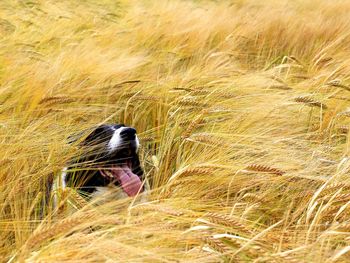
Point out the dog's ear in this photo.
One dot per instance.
(95, 137)
(76, 137)
(89, 137)
(136, 166)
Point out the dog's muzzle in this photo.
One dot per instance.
(129, 181)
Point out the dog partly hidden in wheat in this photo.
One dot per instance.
(108, 164)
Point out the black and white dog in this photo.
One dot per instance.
(108, 159)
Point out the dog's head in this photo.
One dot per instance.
(111, 140)
(112, 150)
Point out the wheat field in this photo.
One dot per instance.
(242, 108)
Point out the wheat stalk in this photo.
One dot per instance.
(183, 89)
(342, 197)
(222, 94)
(193, 125)
(295, 59)
(334, 187)
(277, 78)
(196, 170)
(323, 60)
(283, 258)
(118, 85)
(344, 226)
(344, 113)
(145, 97)
(217, 245)
(264, 169)
(219, 109)
(336, 83)
(45, 233)
(310, 102)
(55, 100)
(80, 200)
(206, 138)
(187, 171)
(200, 92)
(159, 208)
(253, 197)
(147, 139)
(280, 87)
(192, 103)
(343, 129)
(129, 94)
(5, 161)
(228, 221)
(186, 123)
(298, 76)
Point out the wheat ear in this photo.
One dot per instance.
(264, 169)
(310, 102)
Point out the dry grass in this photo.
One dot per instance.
(242, 108)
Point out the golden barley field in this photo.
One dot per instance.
(242, 108)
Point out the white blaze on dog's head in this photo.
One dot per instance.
(121, 136)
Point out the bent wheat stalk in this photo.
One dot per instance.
(264, 169)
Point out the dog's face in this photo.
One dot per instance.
(112, 140)
(112, 151)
